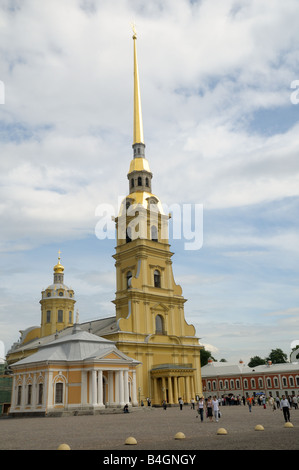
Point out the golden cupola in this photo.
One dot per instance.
(57, 303)
(58, 271)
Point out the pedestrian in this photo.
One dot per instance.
(201, 405)
(264, 401)
(192, 404)
(249, 403)
(210, 409)
(215, 405)
(277, 402)
(285, 407)
(272, 403)
(181, 403)
(295, 402)
(164, 404)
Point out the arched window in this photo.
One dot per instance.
(157, 278)
(60, 316)
(48, 319)
(59, 392)
(129, 277)
(132, 183)
(139, 181)
(154, 233)
(159, 324)
(146, 182)
(291, 380)
(29, 394)
(40, 393)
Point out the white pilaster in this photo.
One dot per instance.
(93, 387)
(134, 389)
(100, 388)
(121, 388)
(126, 387)
(110, 387)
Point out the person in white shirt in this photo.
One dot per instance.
(285, 407)
(201, 405)
(215, 405)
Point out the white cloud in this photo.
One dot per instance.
(207, 70)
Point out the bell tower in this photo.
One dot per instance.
(57, 303)
(149, 304)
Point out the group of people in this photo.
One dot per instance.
(210, 406)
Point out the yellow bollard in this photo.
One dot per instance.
(288, 425)
(259, 427)
(130, 441)
(63, 447)
(222, 431)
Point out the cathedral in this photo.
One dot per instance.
(146, 350)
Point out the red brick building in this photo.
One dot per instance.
(224, 378)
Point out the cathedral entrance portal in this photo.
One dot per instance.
(172, 381)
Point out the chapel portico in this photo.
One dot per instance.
(172, 381)
(78, 373)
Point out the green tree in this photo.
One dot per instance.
(256, 361)
(277, 356)
(205, 356)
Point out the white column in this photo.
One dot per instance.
(34, 391)
(126, 386)
(121, 388)
(50, 389)
(84, 375)
(100, 388)
(134, 389)
(110, 387)
(93, 387)
(116, 387)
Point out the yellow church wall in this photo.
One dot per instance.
(32, 334)
(74, 394)
(54, 305)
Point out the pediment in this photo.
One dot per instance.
(159, 307)
(111, 356)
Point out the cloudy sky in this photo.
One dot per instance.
(220, 99)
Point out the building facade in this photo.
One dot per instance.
(77, 373)
(57, 313)
(223, 378)
(149, 324)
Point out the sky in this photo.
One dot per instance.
(220, 102)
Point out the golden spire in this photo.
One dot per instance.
(138, 125)
(58, 268)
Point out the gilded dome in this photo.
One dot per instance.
(58, 268)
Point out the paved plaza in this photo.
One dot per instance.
(154, 429)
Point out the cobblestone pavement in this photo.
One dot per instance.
(154, 429)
